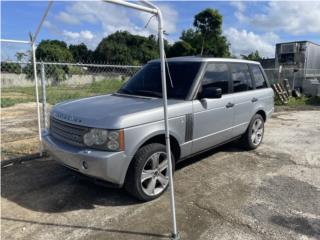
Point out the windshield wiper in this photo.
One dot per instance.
(149, 93)
(125, 91)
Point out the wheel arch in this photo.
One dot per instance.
(262, 113)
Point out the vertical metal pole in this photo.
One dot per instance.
(44, 96)
(175, 234)
(37, 94)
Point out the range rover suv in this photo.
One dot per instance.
(119, 138)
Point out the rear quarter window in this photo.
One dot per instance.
(241, 77)
(260, 81)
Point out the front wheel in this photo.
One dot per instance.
(148, 175)
(254, 134)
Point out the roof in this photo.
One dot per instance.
(205, 59)
(299, 42)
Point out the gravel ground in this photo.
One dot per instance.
(270, 193)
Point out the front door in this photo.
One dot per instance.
(213, 118)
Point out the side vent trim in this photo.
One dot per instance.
(189, 127)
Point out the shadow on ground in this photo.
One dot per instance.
(96, 229)
(46, 186)
(305, 226)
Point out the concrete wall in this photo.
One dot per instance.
(21, 80)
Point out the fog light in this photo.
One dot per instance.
(85, 165)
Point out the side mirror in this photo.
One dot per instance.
(211, 92)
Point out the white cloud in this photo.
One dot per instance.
(300, 17)
(82, 35)
(67, 18)
(240, 6)
(112, 18)
(245, 42)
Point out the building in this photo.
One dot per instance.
(299, 62)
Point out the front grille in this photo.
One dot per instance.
(67, 132)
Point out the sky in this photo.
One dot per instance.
(248, 25)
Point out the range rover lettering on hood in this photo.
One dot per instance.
(66, 117)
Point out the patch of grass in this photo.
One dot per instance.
(295, 102)
(59, 93)
(8, 102)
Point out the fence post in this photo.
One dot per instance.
(44, 96)
(37, 94)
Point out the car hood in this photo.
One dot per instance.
(112, 111)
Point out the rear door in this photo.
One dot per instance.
(263, 93)
(213, 118)
(244, 96)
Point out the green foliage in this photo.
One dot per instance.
(181, 48)
(81, 53)
(60, 93)
(208, 22)
(206, 37)
(8, 102)
(253, 56)
(302, 101)
(7, 67)
(123, 47)
(53, 50)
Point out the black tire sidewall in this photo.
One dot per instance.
(140, 159)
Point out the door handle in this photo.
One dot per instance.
(229, 105)
(254, 100)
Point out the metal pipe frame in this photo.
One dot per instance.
(155, 10)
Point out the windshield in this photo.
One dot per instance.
(147, 82)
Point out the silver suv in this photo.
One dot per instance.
(119, 138)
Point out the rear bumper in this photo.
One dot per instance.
(107, 166)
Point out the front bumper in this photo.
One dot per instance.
(107, 166)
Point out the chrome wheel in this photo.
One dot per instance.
(257, 132)
(155, 175)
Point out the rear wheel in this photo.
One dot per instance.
(254, 134)
(148, 175)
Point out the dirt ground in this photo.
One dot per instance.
(19, 131)
(270, 193)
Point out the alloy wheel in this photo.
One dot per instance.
(155, 175)
(257, 132)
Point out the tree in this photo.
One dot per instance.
(206, 37)
(254, 56)
(80, 53)
(181, 48)
(10, 67)
(123, 47)
(53, 50)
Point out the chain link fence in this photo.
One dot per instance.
(65, 81)
(58, 82)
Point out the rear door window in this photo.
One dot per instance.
(260, 81)
(217, 75)
(241, 77)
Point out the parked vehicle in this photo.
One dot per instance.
(119, 138)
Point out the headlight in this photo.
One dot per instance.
(112, 140)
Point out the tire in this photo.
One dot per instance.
(254, 134)
(145, 179)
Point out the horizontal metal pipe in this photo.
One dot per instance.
(133, 5)
(14, 41)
